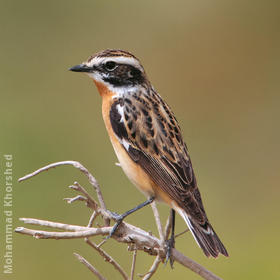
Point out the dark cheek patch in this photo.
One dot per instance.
(125, 75)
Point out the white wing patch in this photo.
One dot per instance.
(125, 144)
(121, 112)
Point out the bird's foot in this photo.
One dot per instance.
(118, 218)
(170, 244)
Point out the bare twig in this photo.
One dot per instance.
(181, 233)
(194, 266)
(41, 234)
(92, 218)
(79, 166)
(45, 223)
(168, 226)
(158, 222)
(107, 258)
(89, 266)
(153, 269)
(76, 198)
(90, 202)
(101, 243)
(133, 264)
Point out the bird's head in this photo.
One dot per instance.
(114, 68)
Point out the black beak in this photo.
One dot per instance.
(81, 68)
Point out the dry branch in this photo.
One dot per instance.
(158, 222)
(126, 233)
(133, 264)
(107, 258)
(89, 266)
(153, 269)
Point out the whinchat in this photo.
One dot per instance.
(148, 142)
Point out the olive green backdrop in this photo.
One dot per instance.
(215, 62)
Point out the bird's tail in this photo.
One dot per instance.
(205, 237)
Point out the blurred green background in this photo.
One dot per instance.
(217, 65)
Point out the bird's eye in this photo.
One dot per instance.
(110, 65)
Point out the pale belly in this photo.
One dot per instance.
(133, 171)
(139, 177)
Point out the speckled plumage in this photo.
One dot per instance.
(148, 141)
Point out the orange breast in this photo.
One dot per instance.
(132, 170)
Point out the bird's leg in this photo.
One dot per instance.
(119, 218)
(170, 243)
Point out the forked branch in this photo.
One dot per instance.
(136, 238)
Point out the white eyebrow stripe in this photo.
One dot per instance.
(118, 59)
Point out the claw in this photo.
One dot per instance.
(115, 216)
(118, 218)
(170, 244)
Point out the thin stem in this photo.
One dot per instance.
(50, 224)
(91, 203)
(41, 234)
(133, 264)
(153, 269)
(92, 218)
(158, 222)
(181, 233)
(194, 266)
(107, 258)
(168, 225)
(89, 266)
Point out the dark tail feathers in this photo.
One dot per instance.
(206, 238)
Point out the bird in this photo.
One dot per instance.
(148, 143)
